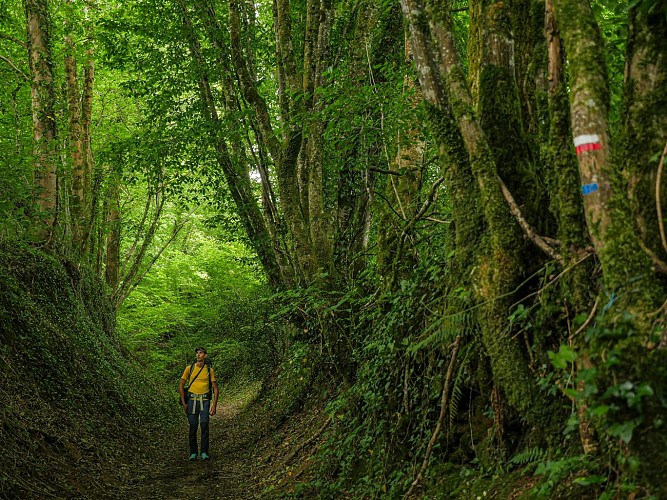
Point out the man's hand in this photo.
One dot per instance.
(213, 407)
(185, 408)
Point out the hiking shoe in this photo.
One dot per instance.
(193, 457)
(204, 456)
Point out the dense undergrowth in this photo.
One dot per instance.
(77, 409)
(401, 348)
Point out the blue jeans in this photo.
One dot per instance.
(199, 416)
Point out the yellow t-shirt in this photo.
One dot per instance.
(200, 384)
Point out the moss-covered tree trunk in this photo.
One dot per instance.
(43, 116)
(644, 128)
(112, 258)
(90, 188)
(577, 288)
(626, 267)
(499, 265)
(641, 152)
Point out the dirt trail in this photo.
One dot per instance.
(228, 474)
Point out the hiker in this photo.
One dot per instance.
(197, 406)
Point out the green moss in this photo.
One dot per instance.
(66, 369)
(644, 125)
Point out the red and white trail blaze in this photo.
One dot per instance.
(587, 142)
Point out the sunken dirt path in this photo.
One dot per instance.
(229, 473)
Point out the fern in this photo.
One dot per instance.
(445, 329)
(529, 456)
(457, 391)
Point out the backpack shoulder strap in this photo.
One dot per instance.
(190, 379)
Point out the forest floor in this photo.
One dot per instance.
(249, 455)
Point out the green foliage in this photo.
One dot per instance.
(384, 420)
(528, 456)
(623, 398)
(555, 472)
(202, 292)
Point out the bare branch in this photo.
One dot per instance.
(658, 264)
(443, 409)
(307, 442)
(539, 241)
(590, 317)
(13, 39)
(15, 68)
(384, 171)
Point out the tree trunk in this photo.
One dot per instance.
(89, 185)
(112, 261)
(578, 288)
(644, 132)
(499, 110)
(237, 177)
(75, 147)
(43, 117)
(608, 217)
(499, 264)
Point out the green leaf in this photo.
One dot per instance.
(587, 481)
(599, 411)
(623, 430)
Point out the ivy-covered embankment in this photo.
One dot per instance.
(77, 412)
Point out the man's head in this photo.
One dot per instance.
(201, 354)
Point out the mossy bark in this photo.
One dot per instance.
(567, 203)
(625, 267)
(499, 263)
(500, 112)
(642, 141)
(644, 131)
(75, 146)
(113, 221)
(43, 117)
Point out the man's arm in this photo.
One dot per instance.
(181, 391)
(216, 393)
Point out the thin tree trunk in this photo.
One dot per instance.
(579, 289)
(89, 185)
(75, 146)
(112, 260)
(43, 117)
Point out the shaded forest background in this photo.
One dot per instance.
(443, 218)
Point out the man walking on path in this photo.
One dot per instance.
(197, 406)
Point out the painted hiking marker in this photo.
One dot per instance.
(587, 142)
(589, 188)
